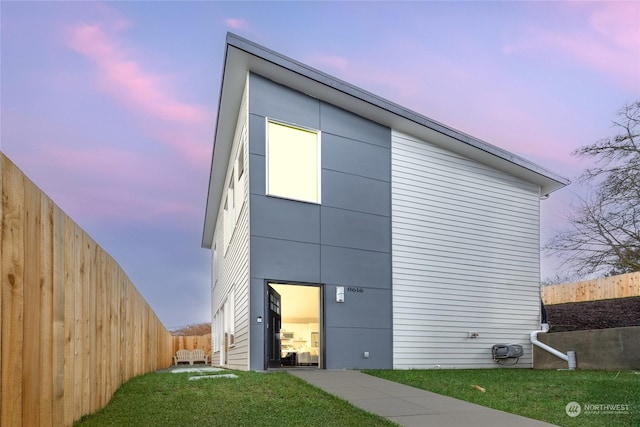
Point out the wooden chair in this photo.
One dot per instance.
(182, 356)
(198, 355)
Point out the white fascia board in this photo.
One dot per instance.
(231, 90)
(243, 56)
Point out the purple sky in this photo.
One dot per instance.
(110, 107)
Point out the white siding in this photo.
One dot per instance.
(232, 269)
(465, 258)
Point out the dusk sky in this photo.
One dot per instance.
(110, 107)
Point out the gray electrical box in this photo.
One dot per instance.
(506, 351)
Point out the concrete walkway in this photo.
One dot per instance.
(409, 406)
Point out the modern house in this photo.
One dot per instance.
(347, 231)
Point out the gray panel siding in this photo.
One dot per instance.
(269, 100)
(257, 176)
(338, 154)
(258, 346)
(284, 219)
(258, 132)
(285, 260)
(465, 258)
(337, 121)
(355, 342)
(355, 267)
(340, 315)
(355, 192)
(345, 241)
(355, 230)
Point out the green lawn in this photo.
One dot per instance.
(541, 395)
(279, 399)
(253, 399)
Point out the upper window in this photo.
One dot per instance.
(293, 162)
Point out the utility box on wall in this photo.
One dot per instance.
(507, 351)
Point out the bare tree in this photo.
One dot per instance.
(604, 233)
(203, 328)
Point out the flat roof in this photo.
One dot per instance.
(243, 56)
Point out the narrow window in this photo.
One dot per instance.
(229, 213)
(239, 185)
(293, 162)
(241, 162)
(214, 269)
(216, 332)
(230, 321)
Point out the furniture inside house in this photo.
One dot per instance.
(308, 357)
(289, 359)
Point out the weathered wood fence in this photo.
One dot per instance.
(72, 325)
(622, 286)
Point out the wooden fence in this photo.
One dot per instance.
(622, 286)
(192, 342)
(72, 325)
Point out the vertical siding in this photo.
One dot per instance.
(233, 264)
(69, 338)
(465, 258)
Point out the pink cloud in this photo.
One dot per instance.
(126, 80)
(610, 43)
(620, 22)
(333, 62)
(179, 125)
(237, 24)
(184, 140)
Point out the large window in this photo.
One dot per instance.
(293, 162)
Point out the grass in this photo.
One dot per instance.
(253, 399)
(542, 395)
(279, 399)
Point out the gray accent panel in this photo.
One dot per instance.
(340, 122)
(281, 103)
(369, 308)
(257, 174)
(355, 230)
(345, 241)
(285, 219)
(257, 306)
(349, 345)
(355, 267)
(285, 260)
(361, 323)
(258, 135)
(356, 193)
(355, 157)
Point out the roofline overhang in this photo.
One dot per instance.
(243, 56)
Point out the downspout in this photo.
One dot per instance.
(570, 357)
